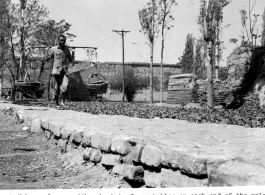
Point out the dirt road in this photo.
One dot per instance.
(28, 161)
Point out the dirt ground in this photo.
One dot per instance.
(29, 161)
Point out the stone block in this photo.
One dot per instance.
(170, 157)
(55, 129)
(62, 144)
(110, 159)
(35, 126)
(45, 124)
(118, 169)
(152, 179)
(151, 156)
(134, 173)
(236, 173)
(86, 153)
(105, 143)
(86, 140)
(120, 145)
(187, 163)
(66, 134)
(95, 156)
(77, 137)
(87, 135)
(170, 178)
(193, 165)
(95, 140)
(135, 151)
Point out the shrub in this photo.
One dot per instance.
(133, 83)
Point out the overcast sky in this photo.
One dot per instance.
(93, 21)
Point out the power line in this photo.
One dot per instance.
(86, 17)
(98, 27)
(109, 47)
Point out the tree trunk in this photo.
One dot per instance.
(217, 63)
(13, 92)
(151, 72)
(217, 72)
(209, 62)
(161, 66)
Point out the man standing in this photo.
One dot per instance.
(61, 56)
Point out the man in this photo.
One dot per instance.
(61, 56)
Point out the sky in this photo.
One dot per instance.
(93, 22)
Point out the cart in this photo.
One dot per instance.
(97, 85)
(28, 88)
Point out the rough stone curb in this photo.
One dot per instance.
(121, 152)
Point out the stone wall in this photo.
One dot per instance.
(238, 62)
(78, 75)
(128, 157)
(152, 152)
(142, 69)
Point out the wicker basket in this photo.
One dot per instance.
(97, 84)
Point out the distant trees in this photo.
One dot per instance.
(198, 67)
(186, 60)
(192, 59)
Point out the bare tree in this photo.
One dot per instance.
(149, 20)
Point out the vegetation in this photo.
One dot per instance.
(22, 29)
(211, 14)
(132, 83)
(249, 115)
(263, 29)
(186, 60)
(198, 67)
(165, 19)
(149, 20)
(248, 26)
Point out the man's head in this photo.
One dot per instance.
(62, 40)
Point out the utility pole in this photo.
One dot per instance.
(122, 33)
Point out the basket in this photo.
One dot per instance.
(97, 84)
